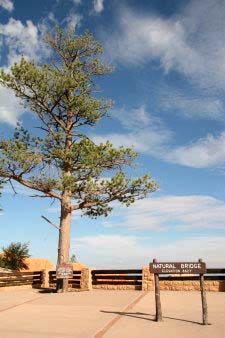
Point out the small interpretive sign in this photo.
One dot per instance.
(178, 268)
(64, 270)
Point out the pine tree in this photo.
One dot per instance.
(73, 259)
(62, 162)
(14, 256)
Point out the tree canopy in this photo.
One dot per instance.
(13, 257)
(64, 157)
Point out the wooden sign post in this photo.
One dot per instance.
(198, 268)
(203, 296)
(158, 309)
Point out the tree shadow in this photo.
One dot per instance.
(149, 317)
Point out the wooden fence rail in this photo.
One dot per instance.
(16, 278)
(216, 271)
(131, 277)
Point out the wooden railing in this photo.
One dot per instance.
(16, 278)
(73, 283)
(108, 279)
(131, 277)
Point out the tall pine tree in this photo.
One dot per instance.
(63, 163)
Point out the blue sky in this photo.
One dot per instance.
(168, 87)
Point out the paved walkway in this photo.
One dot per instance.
(182, 317)
(108, 314)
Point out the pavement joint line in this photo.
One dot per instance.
(114, 320)
(16, 305)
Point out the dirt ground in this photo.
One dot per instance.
(108, 314)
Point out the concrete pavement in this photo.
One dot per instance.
(108, 314)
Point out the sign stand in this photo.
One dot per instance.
(203, 296)
(158, 309)
(179, 268)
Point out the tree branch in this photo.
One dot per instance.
(12, 186)
(47, 220)
(29, 184)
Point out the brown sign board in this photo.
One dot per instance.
(178, 268)
(64, 270)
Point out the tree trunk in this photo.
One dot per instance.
(65, 217)
(64, 239)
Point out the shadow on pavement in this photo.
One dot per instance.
(47, 290)
(149, 317)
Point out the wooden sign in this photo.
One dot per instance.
(178, 268)
(64, 270)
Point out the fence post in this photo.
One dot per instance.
(147, 279)
(86, 280)
(45, 278)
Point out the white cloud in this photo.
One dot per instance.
(10, 109)
(207, 152)
(144, 132)
(171, 212)
(7, 5)
(73, 20)
(114, 251)
(147, 134)
(98, 5)
(143, 141)
(18, 39)
(149, 38)
(209, 248)
(190, 42)
(135, 118)
(192, 106)
(204, 22)
(107, 250)
(204, 153)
